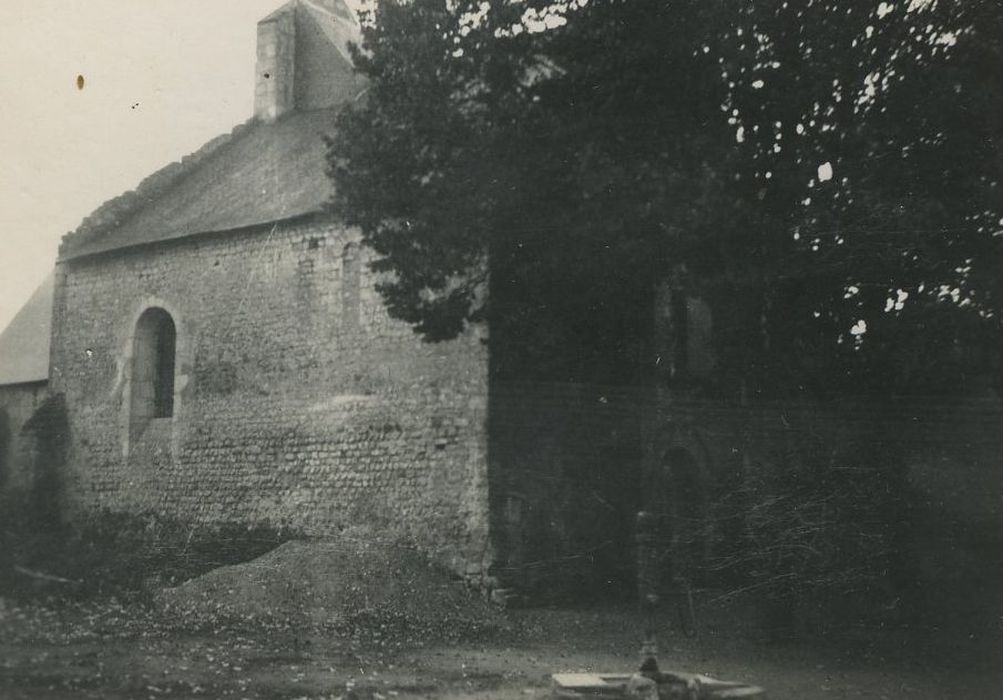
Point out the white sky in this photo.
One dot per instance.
(162, 77)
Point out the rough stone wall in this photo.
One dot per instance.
(275, 69)
(297, 401)
(565, 466)
(18, 403)
(571, 465)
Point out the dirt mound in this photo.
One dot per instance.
(359, 584)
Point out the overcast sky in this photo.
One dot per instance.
(161, 77)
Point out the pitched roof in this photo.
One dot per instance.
(24, 343)
(338, 8)
(341, 32)
(264, 171)
(260, 173)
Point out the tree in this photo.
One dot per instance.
(474, 147)
(827, 173)
(892, 121)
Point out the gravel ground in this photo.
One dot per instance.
(119, 652)
(368, 620)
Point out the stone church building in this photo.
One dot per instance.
(212, 346)
(222, 353)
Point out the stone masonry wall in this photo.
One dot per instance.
(565, 467)
(275, 71)
(18, 403)
(570, 469)
(297, 400)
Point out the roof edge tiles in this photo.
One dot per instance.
(263, 172)
(115, 211)
(209, 233)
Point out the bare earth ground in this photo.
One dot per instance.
(115, 652)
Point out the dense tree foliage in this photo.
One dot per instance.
(826, 174)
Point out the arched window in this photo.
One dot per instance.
(154, 348)
(684, 335)
(350, 281)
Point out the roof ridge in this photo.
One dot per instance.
(340, 42)
(117, 210)
(340, 9)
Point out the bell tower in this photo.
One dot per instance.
(303, 59)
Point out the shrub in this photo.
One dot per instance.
(822, 539)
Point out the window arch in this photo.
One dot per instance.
(153, 361)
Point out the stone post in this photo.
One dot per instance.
(646, 539)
